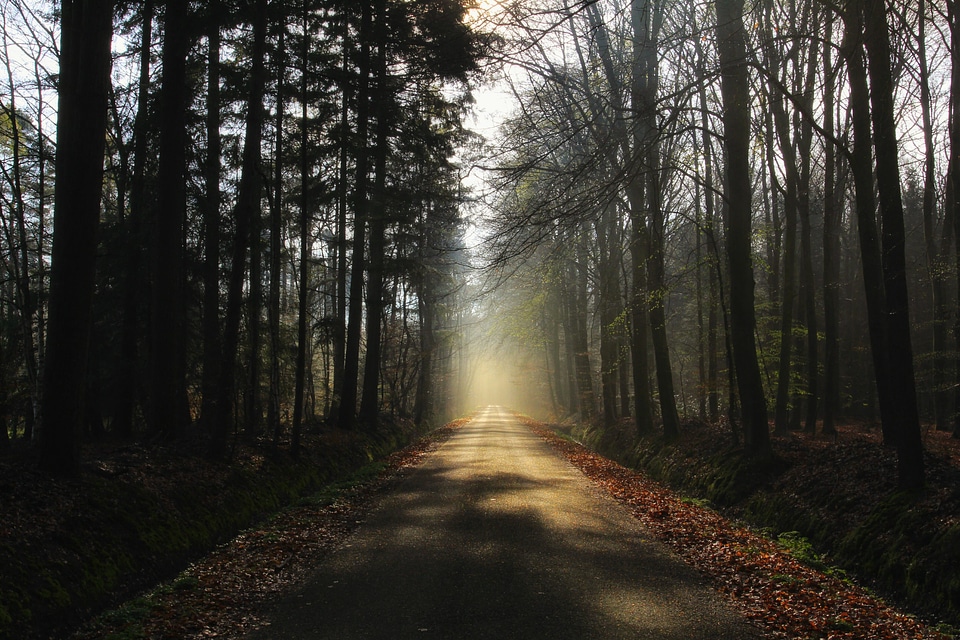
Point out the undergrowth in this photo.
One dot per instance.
(834, 505)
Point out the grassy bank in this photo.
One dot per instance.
(835, 496)
(139, 514)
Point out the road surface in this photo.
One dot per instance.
(495, 536)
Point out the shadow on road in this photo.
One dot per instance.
(496, 537)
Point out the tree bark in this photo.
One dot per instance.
(607, 266)
(210, 322)
(86, 31)
(303, 269)
(340, 301)
(168, 390)
(351, 367)
(910, 464)
(736, 120)
(248, 201)
(936, 261)
(953, 16)
(377, 216)
(578, 314)
(276, 245)
(831, 248)
(788, 282)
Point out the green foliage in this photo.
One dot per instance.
(698, 502)
(801, 549)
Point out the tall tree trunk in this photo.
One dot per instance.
(303, 294)
(370, 400)
(953, 15)
(713, 256)
(646, 17)
(340, 301)
(211, 226)
(702, 380)
(935, 260)
(910, 465)
(641, 104)
(253, 403)
(351, 368)
(168, 377)
(736, 120)
(788, 282)
(865, 205)
(658, 317)
(831, 247)
(248, 201)
(569, 341)
(86, 31)
(608, 299)
(276, 246)
(130, 330)
(884, 271)
(807, 285)
(578, 314)
(423, 401)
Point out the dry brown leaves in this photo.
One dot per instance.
(219, 596)
(785, 597)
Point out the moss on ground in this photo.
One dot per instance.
(121, 536)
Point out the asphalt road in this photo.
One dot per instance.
(495, 536)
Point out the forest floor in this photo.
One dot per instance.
(778, 580)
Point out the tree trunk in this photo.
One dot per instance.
(578, 314)
(712, 256)
(422, 405)
(370, 400)
(303, 269)
(276, 246)
(736, 119)
(790, 205)
(607, 265)
(803, 128)
(340, 301)
(641, 102)
(211, 227)
(25, 295)
(658, 317)
(831, 248)
(86, 31)
(953, 15)
(910, 465)
(936, 262)
(253, 404)
(351, 368)
(168, 378)
(248, 201)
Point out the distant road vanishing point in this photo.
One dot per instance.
(495, 536)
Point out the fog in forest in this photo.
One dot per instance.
(588, 211)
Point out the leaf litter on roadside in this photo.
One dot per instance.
(786, 597)
(220, 595)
